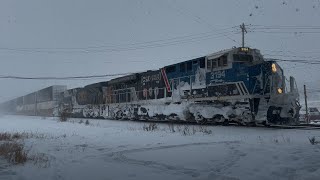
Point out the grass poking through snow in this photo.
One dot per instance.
(12, 148)
(313, 140)
(185, 130)
(14, 152)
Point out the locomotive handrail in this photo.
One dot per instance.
(116, 96)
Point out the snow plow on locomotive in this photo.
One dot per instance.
(234, 85)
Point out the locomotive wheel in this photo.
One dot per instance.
(205, 121)
(251, 124)
(200, 119)
(225, 122)
(265, 124)
(241, 123)
(219, 119)
(119, 115)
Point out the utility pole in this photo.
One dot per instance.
(243, 30)
(305, 101)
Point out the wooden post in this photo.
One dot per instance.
(35, 103)
(306, 103)
(243, 30)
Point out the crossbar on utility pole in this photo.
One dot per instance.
(243, 30)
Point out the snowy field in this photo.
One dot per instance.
(107, 149)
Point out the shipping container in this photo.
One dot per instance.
(30, 98)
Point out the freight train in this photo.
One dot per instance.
(39, 103)
(235, 85)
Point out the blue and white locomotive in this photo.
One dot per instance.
(234, 85)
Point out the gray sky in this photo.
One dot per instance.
(82, 37)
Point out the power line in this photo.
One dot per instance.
(283, 29)
(293, 56)
(198, 19)
(123, 74)
(63, 78)
(126, 47)
(87, 77)
(292, 52)
(212, 32)
(283, 26)
(286, 32)
(305, 61)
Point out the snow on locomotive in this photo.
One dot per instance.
(234, 85)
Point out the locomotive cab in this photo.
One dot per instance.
(284, 104)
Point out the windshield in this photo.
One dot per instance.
(277, 78)
(242, 58)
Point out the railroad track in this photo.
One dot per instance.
(300, 126)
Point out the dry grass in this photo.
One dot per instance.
(171, 127)
(87, 122)
(313, 140)
(7, 136)
(12, 148)
(13, 136)
(40, 160)
(64, 116)
(185, 130)
(204, 130)
(14, 152)
(150, 127)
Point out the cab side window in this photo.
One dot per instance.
(224, 60)
(182, 67)
(217, 62)
(209, 64)
(202, 63)
(189, 66)
(171, 69)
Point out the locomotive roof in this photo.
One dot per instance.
(235, 50)
(97, 85)
(122, 79)
(222, 52)
(186, 61)
(217, 54)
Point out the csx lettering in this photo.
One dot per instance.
(155, 77)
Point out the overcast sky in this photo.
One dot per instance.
(88, 37)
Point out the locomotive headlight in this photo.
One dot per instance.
(274, 68)
(244, 49)
(279, 90)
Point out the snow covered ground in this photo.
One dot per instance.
(107, 149)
